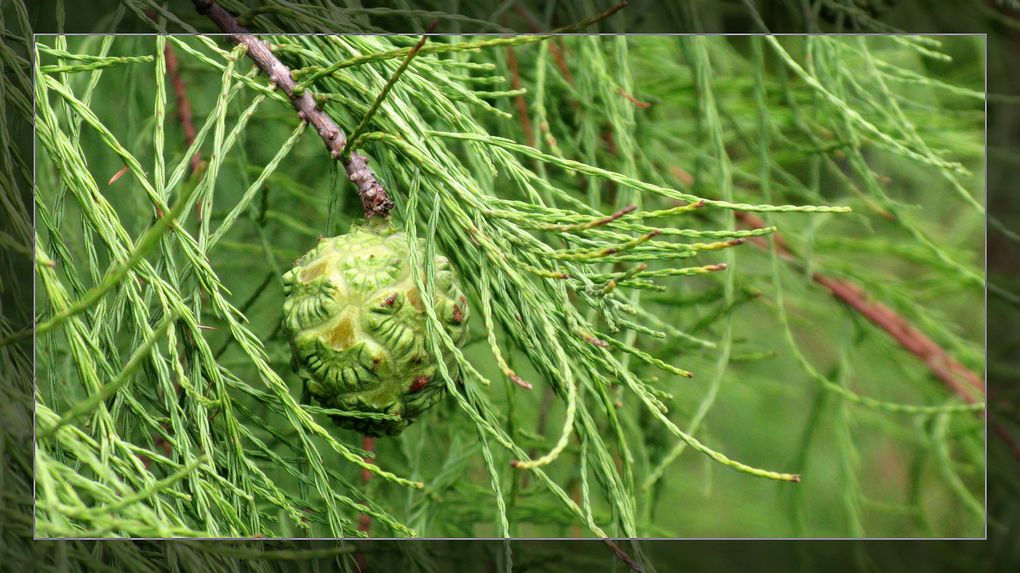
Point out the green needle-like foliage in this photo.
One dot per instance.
(593, 194)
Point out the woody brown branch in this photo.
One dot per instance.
(522, 106)
(962, 381)
(374, 199)
(183, 104)
(367, 444)
(364, 520)
(953, 374)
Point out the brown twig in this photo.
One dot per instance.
(1008, 439)
(961, 380)
(557, 53)
(117, 175)
(686, 178)
(364, 520)
(622, 556)
(183, 110)
(522, 105)
(634, 100)
(367, 444)
(173, 69)
(519, 102)
(561, 62)
(554, 48)
(374, 199)
(184, 115)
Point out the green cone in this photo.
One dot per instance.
(356, 324)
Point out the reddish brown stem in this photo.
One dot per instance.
(117, 175)
(367, 444)
(364, 520)
(561, 62)
(522, 106)
(1007, 439)
(962, 381)
(173, 69)
(686, 178)
(634, 100)
(554, 47)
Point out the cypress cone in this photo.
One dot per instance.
(356, 325)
